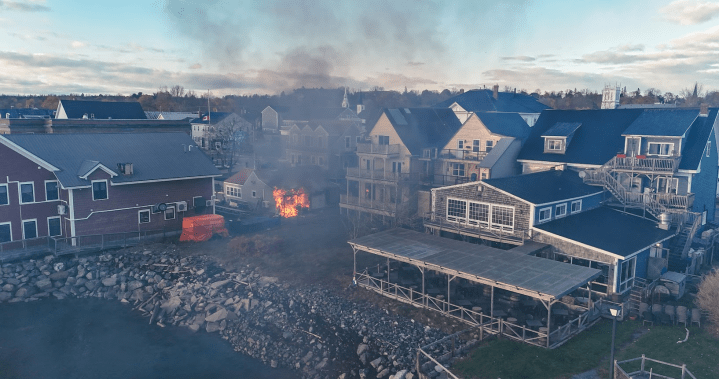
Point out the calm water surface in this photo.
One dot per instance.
(94, 338)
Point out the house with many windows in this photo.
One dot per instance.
(70, 185)
(209, 130)
(330, 145)
(485, 100)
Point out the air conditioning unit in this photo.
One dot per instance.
(159, 208)
(61, 209)
(182, 206)
(208, 203)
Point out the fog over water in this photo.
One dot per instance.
(93, 338)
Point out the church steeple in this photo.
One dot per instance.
(345, 102)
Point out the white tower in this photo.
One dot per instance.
(345, 102)
(610, 97)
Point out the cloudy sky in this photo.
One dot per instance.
(242, 47)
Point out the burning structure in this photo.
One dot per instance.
(288, 203)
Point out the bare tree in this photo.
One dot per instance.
(177, 90)
(708, 297)
(228, 138)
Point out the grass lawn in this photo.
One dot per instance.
(513, 360)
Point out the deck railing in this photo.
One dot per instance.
(653, 165)
(356, 172)
(368, 203)
(460, 154)
(644, 371)
(499, 234)
(373, 148)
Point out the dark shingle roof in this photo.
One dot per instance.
(609, 230)
(26, 113)
(544, 187)
(696, 140)
(662, 122)
(562, 129)
(420, 128)
(595, 142)
(481, 100)
(240, 177)
(506, 124)
(122, 110)
(154, 156)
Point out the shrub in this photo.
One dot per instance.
(708, 296)
(256, 245)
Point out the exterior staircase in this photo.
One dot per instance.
(637, 294)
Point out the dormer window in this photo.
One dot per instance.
(558, 137)
(554, 145)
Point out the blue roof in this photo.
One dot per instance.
(155, 156)
(662, 122)
(695, 143)
(26, 113)
(121, 110)
(545, 186)
(420, 128)
(506, 124)
(562, 129)
(609, 230)
(481, 100)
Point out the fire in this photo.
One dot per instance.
(289, 202)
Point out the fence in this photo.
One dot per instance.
(644, 365)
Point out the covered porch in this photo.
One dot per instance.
(525, 298)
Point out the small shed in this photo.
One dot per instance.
(246, 187)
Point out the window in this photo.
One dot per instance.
(396, 166)
(475, 146)
(626, 274)
(54, 227)
(661, 149)
(709, 148)
(143, 216)
(27, 192)
(576, 206)
(308, 141)
(99, 190)
(347, 142)
(51, 192)
(321, 161)
(490, 145)
(383, 140)
(29, 229)
(561, 210)
(5, 232)
(554, 144)
(478, 214)
(367, 164)
(4, 199)
(227, 190)
(456, 210)
(545, 214)
(254, 193)
(170, 213)
(502, 217)
(460, 144)
(667, 185)
(358, 139)
(458, 169)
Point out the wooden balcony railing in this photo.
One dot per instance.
(373, 148)
(645, 164)
(356, 172)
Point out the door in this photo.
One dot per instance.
(633, 146)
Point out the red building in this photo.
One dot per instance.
(70, 185)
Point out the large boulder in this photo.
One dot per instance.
(43, 284)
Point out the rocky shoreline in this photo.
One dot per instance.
(310, 330)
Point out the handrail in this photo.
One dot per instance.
(695, 226)
(502, 234)
(655, 165)
(373, 148)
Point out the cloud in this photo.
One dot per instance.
(520, 58)
(78, 44)
(690, 12)
(24, 6)
(629, 47)
(195, 66)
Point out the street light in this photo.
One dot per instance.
(615, 313)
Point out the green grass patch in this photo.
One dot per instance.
(699, 353)
(514, 360)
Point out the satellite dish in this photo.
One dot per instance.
(582, 174)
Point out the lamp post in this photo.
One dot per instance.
(615, 313)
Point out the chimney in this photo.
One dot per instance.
(704, 110)
(199, 114)
(495, 91)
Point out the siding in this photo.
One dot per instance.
(704, 184)
(589, 202)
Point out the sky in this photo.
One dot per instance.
(269, 46)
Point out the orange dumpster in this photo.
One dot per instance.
(202, 228)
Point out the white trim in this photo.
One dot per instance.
(161, 180)
(8, 223)
(19, 192)
(71, 205)
(22, 224)
(539, 214)
(13, 146)
(107, 189)
(634, 273)
(490, 210)
(7, 193)
(174, 213)
(556, 210)
(58, 189)
(578, 243)
(572, 204)
(550, 140)
(48, 225)
(149, 216)
(102, 167)
(669, 154)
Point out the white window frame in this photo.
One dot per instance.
(460, 144)
(348, 144)
(554, 144)
(571, 209)
(472, 222)
(358, 139)
(671, 185)
(539, 215)
(19, 194)
(476, 146)
(149, 216)
(557, 214)
(625, 285)
(453, 218)
(254, 194)
(10, 224)
(460, 172)
(174, 213)
(107, 190)
(22, 223)
(668, 154)
(7, 193)
(57, 189)
(48, 226)
(488, 145)
(502, 227)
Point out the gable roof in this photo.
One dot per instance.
(545, 186)
(421, 128)
(662, 122)
(122, 110)
(608, 230)
(155, 156)
(482, 100)
(240, 177)
(506, 124)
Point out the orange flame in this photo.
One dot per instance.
(288, 203)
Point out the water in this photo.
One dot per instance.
(94, 338)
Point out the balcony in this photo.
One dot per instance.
(643, 164)
(309, 148)
(454, 154)
(668, 200)
(443, 180)
(356, 172)
(372, 148)
(476, 229)
(360, 202)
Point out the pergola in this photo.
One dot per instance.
(539, 278)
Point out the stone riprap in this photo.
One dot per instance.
(308, 329)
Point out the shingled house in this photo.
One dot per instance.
(485, 100)
(69, 185)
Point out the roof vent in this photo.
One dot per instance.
(704, 110)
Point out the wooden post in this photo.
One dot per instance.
(417, 362)
(549, 321)
(642, 368)
(684, 370)
(491, 304)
